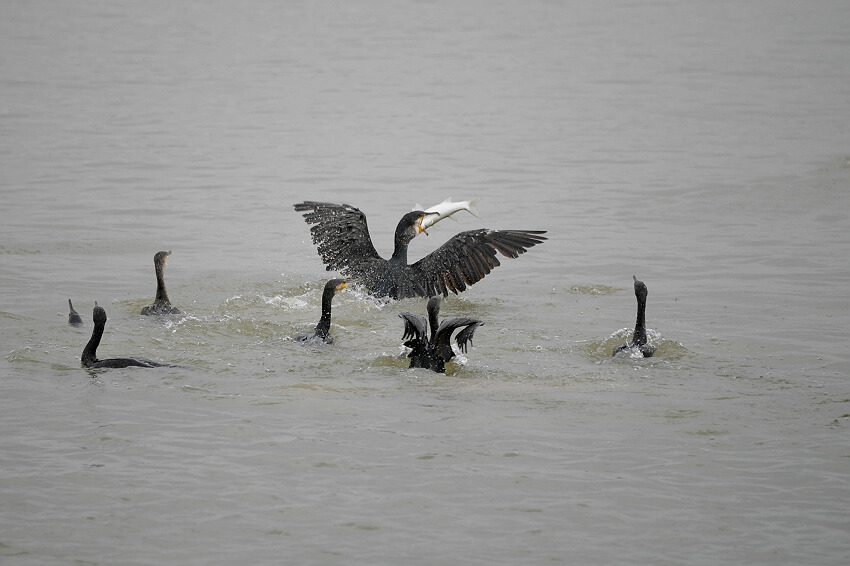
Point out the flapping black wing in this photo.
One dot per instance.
(341, 236)
(469, 256)
(443, 337)
(414, 326)
(465, 335)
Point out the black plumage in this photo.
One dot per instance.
(89, 357)
(434, 350)
(342, 238)
(321, 332)
(639, 339)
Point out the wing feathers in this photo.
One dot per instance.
(341, 235)
(469, 256)
(342, 239)
(415, 325)
(442, 339)
(465, 335)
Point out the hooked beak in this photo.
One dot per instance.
(348, 282)
(420, 227)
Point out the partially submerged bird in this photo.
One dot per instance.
(89, 357)
(342, 237)
(161, 305)
(74, 318)
(434, 351)
(639, 339)
(332, 287)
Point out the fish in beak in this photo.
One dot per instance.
(445, 209)
(425, 221)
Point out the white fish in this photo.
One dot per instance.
(446, 209)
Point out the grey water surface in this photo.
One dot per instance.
(702, 146)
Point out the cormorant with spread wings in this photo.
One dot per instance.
(342, 238)
(434, 352)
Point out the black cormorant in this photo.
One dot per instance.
(342, 238)
(89, 357)
(639, 338)
(74, 318)
(332, 287)
(161, 305)
(434, 351)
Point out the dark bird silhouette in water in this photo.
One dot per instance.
(342, 237)
(639, 337)
(161, 305)
(434, 350)
(89, 357)
(74, 318)
(332, 287)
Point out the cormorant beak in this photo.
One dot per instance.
(419, 227)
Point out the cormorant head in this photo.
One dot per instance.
(410, 226)
(99, 315)
(427, 220)
(336, 285)
(640, 289)
(160, 259)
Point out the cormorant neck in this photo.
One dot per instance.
(640, 324)
(161, 293)
(400, 249)
(434, 317)
(90, 351)
(405, 231)
(324, 325)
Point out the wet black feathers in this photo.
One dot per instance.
(639, 338)
(434, 351)
(469, 256)
(89, 357)
(340, 233)
(341, 236)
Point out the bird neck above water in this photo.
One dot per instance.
(90, 351)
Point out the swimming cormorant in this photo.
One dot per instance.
(639, 338)
(89, 357)
(161, 305)
(434, 351)
(332, 287)
(342, 238)
(74, 318)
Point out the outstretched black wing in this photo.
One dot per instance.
(416, 329)
(341, 236)
(443, 337)
(469, 256)
(414, 326)
(465, 335)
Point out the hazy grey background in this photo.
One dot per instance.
(700, 146)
